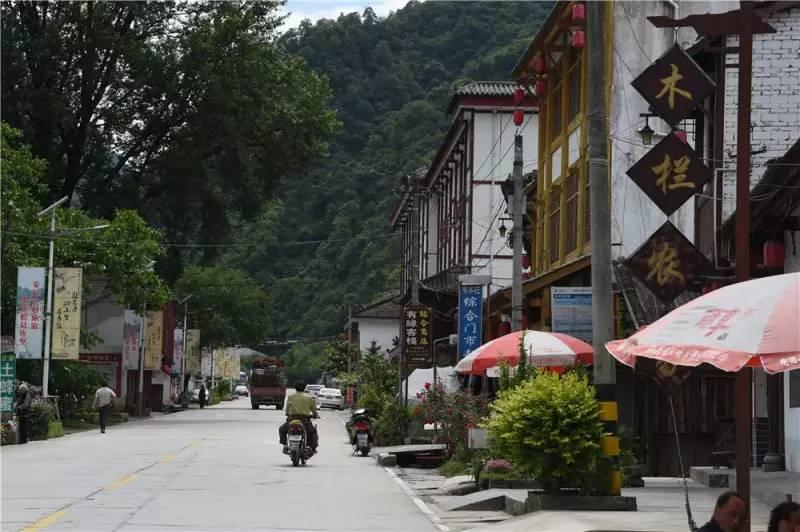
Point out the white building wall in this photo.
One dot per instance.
(494, 161)
(791, 416)
(382, 331)
(775, 102)
(637, 44)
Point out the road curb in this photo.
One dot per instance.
(419, 502)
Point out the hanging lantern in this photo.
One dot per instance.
(519, 96)
(519, 117)
(540, 88)
(681, 134)
(526, 262)
(578, 13)
(578, 39)
(540, 64)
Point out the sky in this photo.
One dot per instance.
(317, 9)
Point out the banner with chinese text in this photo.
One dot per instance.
(191, 358)
(131, 338)
(30, 312)
(470, 308)
(177, 367)
(67, 313)
(8, 372)
(205, 362)
(155, 332)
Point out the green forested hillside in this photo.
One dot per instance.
(326, 244)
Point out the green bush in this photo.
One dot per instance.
(41, 415)
(390, 426)
(550, 428)
(454, 467)
(55, 430)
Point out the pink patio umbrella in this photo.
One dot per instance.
(753, 323)
(544, 349)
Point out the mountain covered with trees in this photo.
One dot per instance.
(326, 243)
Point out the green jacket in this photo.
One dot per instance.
(300, 404)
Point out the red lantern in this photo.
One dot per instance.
(774, 254)
(526, 276)
(681, 134)
(578, 13)
(519, 117)
(540, 88)
(578, 39)
(519, 96)
(540, 64)
(526, 262)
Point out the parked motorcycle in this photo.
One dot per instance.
(360, 426)
(299, 451)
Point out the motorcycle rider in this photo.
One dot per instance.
(303, 407)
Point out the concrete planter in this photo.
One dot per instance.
(577, 503)
(486, 484)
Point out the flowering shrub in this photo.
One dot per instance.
(498, 469)
(455, 413)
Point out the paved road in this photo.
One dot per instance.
(215, 469)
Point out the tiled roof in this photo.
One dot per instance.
(487, 88)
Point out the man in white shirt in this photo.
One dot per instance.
(103, 402)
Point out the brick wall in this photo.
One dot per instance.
(775, 102)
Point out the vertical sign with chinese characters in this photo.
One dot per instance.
(155, 332)
(205, 362)
(470, 306)
(177, 367)
(192, 356)
(131, 336)
(417, 340)
(30, 313)
(8, 372)
(67, 313)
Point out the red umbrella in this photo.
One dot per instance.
(544, 349)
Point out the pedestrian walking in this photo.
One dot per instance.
(22, 399)
(785, 518)
(201, 396)
(728, 514)
(103, 402)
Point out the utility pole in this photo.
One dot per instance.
(744, 377)
(142, 353)
(415, 241)
(519, 207)
(600, 219)
(48, 315)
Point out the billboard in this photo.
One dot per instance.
(155, 332)
(571, 311)
(131, 339)
(470, 309)
(67, 313)
(30, 313)
(191, 358)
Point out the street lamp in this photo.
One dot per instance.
(646, 132)
(185, 303)
(503, 229)
(48, 325)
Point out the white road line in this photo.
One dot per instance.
(419, 502)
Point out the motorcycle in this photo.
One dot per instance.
(298, 451)
(360, 426)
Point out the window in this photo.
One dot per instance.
(555, 225)
(571, 215)
(574, 87)
(554, 109)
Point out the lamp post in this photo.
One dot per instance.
(185, 302)
(48, 319)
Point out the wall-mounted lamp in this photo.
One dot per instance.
(646, 132)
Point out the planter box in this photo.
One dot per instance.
(484, 484)
(575, 503)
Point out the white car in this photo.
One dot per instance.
(330, 397)
(313, 389)
(241, 389)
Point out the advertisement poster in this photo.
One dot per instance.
(571, 311)
(205, 362)
(67, 313)
(30, 312)
(192, 355)
(177, 366)
(417, 331)
(155, 332)
(131, 337)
